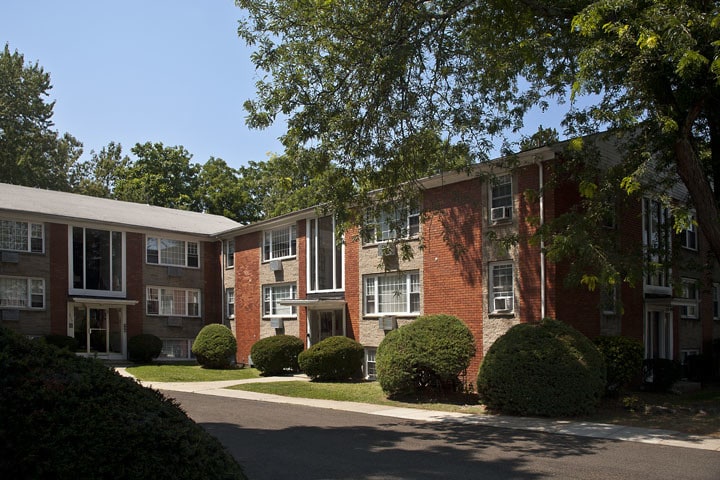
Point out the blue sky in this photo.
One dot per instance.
(132, 71)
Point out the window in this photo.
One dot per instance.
(501, 201)
(716, 301)
(688, 237)
(370, 372)
(176, 348)
(173, 302)
(272, 295)
(393, 224)
(392, 293)
(279, 243)
(98, 262)
(501, 289)
(230, 254)
(19, 292)
(656, 241)
(165, 251)
(230, 302)
(689, 299)
(608, 300)
(325, 253)
(21, 236)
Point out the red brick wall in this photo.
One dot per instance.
(529, 281)
(452, 260)
(213, 290)
(135, 262)
(352, 283)
(247, 293)
(302, 314)
(59, 280)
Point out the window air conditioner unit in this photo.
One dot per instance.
(500, 213)
(388, 322)
(503, 304)
(11, 315)
(277, 323)
(276, 265)
(10, 257)
(387, 249)
(174, 322)
(174, 272)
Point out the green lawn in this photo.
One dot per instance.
(188, 373)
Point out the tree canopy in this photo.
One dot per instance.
(366, 84)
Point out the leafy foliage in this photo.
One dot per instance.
(547, 369)
(428, 354)
(623, 360)
(143, 348)
(62, 341)
(660, 374)
(62, 415)
(215, 346)
(274, 355)
(333, 359)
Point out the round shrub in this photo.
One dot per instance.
(546, 369)
(144, 348)
(429, 353)
(62, 341)
(69, 417)
(274, 355)
(623, 361)
(215, 346)
(333, 359)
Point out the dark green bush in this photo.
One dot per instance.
(623, 361)
(547, 369)
(144, 348)
(428, 354)
(215, 347)
(333, 359)
(277, 354)
(62, 341)
(69, 417)
(659, 374)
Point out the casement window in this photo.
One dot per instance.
(98, 262)
(229, 253)
(230, 302)
(279, 243)
(396, 293)
(501, 200)
(502, 292)
(20, 292)
(325, 254)
(273, 294)
(656, 242)
(177, 253)
(174, 302)
(716, 301)
(22, 236)
(398, 223)
(688, 237)
(689, 298)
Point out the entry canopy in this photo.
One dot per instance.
(103, 302)
(314, 303)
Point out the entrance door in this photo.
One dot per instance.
(658, 333)
(98, 330)
(324, 324)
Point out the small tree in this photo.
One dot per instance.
(623, 359)
(215, 346)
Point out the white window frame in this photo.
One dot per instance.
(117, 279)
(689, 236)
(656, 241)
(501, 293)
(171, 345)
(314, 263)
(19, 236)
(272, 294)
(689, 300)
(501, 202)
(230, 302)
(229, 253)
(190, 250)
(411, 291)
(381, 228)
(370, 356)
(33, 290)
(165, 296)
(272, 251)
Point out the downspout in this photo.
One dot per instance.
(541, 181)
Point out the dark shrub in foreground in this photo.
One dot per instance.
(144, 348)
(333, 359)
(623, 361)
(547, 369)
(61, 341)
(429, 353)
(659, 374)
(69, 417)
(215, 347)
(277, 354)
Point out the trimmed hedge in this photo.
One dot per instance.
(277, 354)
(546, 369)
(333, 359)
(144, 348)
(215, 347)
(70, 417)
(61, 341)
(623, 361)
(429, 353)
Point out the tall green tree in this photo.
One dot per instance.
(31, 152)
(161, 176)
(360, 81)
(98, 175)
(222, 191)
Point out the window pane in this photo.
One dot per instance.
(152, 250)
(193, 259)
(392, 290)
(97, 259)
(172, 252)
(13, 292)
(14, 235)
(36, 238)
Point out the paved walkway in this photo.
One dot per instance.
(565, 427)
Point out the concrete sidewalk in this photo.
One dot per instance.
(565, 427)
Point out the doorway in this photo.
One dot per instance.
(99, 330)
(658, 333)
(324, 324)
